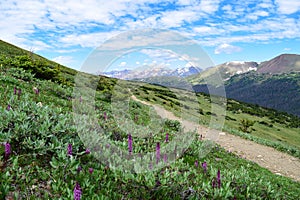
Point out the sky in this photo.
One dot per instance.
(68, 31)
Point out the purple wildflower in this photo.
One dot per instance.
(77, 192)
(36, 90)
(79, 168)
(167, 137)
(19, 93)
(105, 116)
(158, 183)
(219, 179)
(8, 107)
(157, 152)
(196, 163)
(129, 144)
(214, 183)
(69, 149)
(15, 90)
(150, 166)
(165, 158)
(87, 151)
(80, 99)
(204, 166)
(7, 149)
(91, 170)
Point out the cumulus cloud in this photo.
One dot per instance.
(288, 6)
(51, 25)
(227, 48)
(64, 60)
(122, 64)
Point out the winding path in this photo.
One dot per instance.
(277, 162)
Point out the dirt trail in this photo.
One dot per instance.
(277, 162)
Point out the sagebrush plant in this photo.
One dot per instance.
(42, 156)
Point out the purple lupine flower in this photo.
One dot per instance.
(7, 149)
(15, 90)
(219, 179)
(150, 166)
(158, 183)
(79, 169)
(167, 137)
(91, 170)
(87, 151)
(214, 185)
(157, 152)
(8, 107)
(105, 116)
(196, 163)
(69, 149)
(129, 144)
(19, 93)
(36, 90)
(165, 158)
(204, 166)
(77, 192)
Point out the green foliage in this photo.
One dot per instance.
(245, 125)
(39, 128)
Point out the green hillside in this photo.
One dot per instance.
(277, 91)
(273, 84)
(37, 121)
(13, 56)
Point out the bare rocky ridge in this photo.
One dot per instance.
(277, 162)
(284, 63)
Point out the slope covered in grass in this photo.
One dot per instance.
(38, 125)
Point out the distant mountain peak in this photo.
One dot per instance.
(155, 71)
(235, 63)
(283, 63)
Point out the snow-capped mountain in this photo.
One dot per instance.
(147, 72)
(226, 70)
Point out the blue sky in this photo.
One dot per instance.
(67, 31)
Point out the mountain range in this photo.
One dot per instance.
(273, 84)
(150, 71)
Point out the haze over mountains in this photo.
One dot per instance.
(149, 71)
(274, 84)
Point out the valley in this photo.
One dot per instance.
(48, 146)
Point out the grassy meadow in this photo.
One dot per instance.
(46, 158)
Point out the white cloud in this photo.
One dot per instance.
(137, 62)
(227, 48)
(257, 14)
(186, 2)
(160, 55)
(209, 6)
(288, 6)
(178, 17)
(64, 60)
(87, 40)
(58, 25)
(122, 64)
(208, 30)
